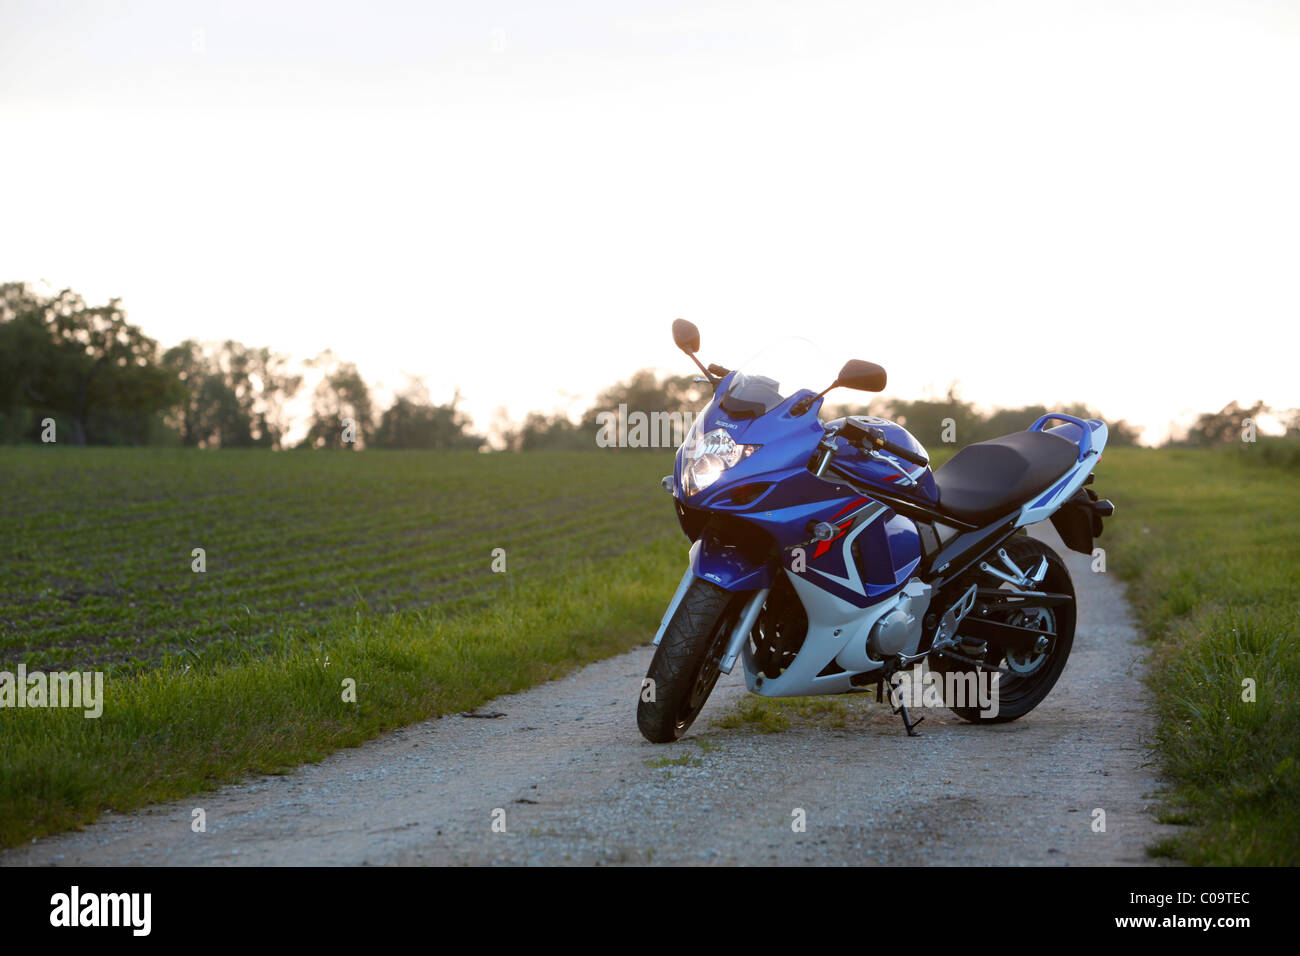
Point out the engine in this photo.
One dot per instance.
(898, 630)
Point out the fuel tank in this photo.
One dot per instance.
(873, 471)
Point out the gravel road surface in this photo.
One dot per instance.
(574, 782)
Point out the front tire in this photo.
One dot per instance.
(687, 662)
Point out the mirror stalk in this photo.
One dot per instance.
(863, 376)
(802, 406)
(712, 381)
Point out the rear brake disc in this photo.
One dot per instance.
(1029, 661)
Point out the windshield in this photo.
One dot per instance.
(776, 372)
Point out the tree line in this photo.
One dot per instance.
(102, 381)
(105, 382)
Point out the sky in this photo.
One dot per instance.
(1042, 201)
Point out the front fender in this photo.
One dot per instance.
(733, 567)
(727, 569)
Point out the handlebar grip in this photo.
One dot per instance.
(876, 438)
(906, 454)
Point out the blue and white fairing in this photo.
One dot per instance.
(1090, 436)
(751, 524)
(747, 499)
(771, 493)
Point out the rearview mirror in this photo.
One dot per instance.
(686, 335)
(864, 376)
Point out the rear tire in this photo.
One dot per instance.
(686, 663)
(1019, 695)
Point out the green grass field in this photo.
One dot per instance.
(1209, 542)
(97, 565)
(376, 567)
(373, 567)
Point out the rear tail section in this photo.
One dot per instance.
(1075, 509)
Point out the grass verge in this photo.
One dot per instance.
(1209, 543)
(184, 728)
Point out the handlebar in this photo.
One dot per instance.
(860, 436)
(876, 438)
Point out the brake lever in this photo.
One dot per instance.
(907, 479)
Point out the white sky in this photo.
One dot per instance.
(1046, 201)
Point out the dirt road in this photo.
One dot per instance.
(574, 782)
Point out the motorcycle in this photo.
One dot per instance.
(828, 558)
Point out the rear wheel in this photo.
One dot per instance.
(687, 662)
(1032, 675)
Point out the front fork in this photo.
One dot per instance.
(739, 633)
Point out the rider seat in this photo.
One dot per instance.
(988, 479)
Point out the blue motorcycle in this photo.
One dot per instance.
(829, 558)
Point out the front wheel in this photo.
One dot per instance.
(687, 662)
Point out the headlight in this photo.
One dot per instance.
(706, 457)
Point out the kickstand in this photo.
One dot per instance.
(910, 724)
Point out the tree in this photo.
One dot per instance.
(646, 392)
(1223, 426)
(504, 431)
(24, 350)
(1121, 433)
(413, 421)
(926, 419)
(235, 394)
(342, 416)
(552, 432)
(933, 420)
(82, 364)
